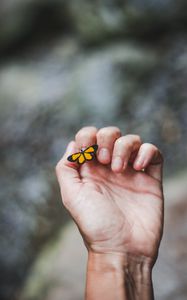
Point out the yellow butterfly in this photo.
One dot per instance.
(84, 155)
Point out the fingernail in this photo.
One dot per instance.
(104, 154)
(139, 161)
(117, 163)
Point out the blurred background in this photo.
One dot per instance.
(65, 64)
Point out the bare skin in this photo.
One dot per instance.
(118, 209)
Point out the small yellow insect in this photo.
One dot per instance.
(84, 155)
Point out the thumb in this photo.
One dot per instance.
(68, 173)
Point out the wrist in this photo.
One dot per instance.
(106, 262)
(132, 274)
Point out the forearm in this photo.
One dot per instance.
(118, 277)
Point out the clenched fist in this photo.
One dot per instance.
(116, 201)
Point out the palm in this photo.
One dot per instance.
(119, 211)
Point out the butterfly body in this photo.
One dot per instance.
(84, 155)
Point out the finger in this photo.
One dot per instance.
(149, 158)
(124, 148)
(85, 137)
(68, 173)
(105, 139)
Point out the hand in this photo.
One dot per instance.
(117, 208)
(116, 201)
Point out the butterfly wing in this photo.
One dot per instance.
(81, 159)
(88, 156)
(74, 157)
(90, 152)
(91, 149)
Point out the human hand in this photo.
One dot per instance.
(117, 206)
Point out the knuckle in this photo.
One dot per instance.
(138, 138)
(109, 131)
(81, 135)
(85, 132)
(134, 137)
(124, 141)
(120, 141)
(115, 129)
(128, 144)
(150, 146)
